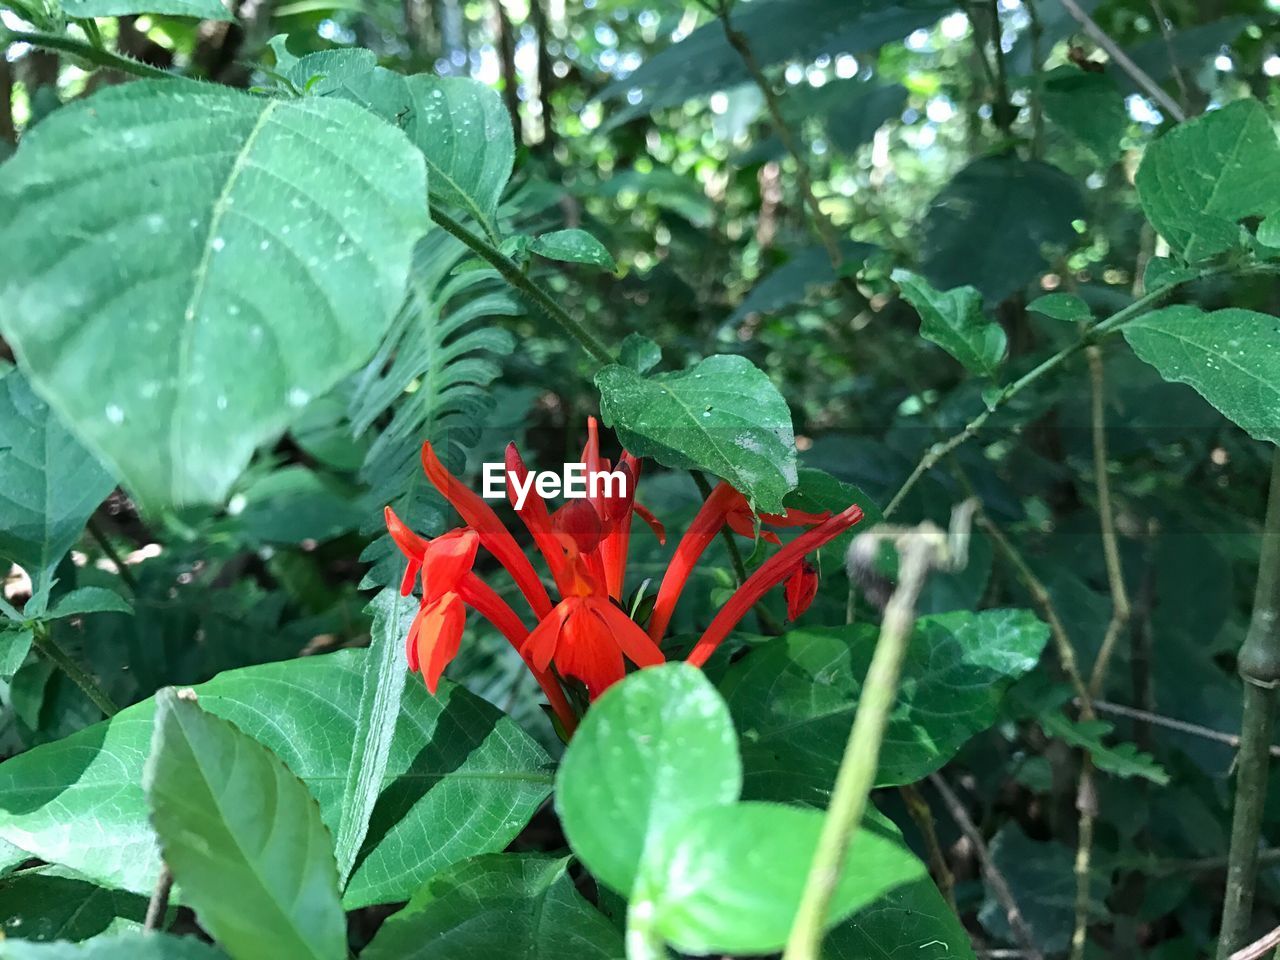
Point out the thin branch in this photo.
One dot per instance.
(50, 650)
(1259, 948)
(922, 814)
(158, 906)
(995, 879)
(122, 569)
(1169, 723)
(85, 51)
(1166, 31)
(1122, 60)
(531, 291)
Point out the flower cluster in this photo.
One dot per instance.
(587, 635)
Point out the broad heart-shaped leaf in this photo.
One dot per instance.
(198, 264)
(655, 748)
(49, 484)
(461, 778)
(133, 946)
(573, 246)
(509, 905)
(722, 415)
(793, 698)
(200, 9)
(990, 226)
(1201, 178)
(908, 923)
(953, 319)
(381, 690)
(1231, 357)
(51, 903)
(460, 125)
(728, 879)
(243, 837)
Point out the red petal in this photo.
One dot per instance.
(441, 632)
(634, 642)
(696, 539)
(801, 588)
(544, 640)
(410, 544)
(588, 652)
(654, 523)
(536, 518)
(448, 559)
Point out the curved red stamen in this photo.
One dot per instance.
(770, 573)
(695, 541)
(536, 518)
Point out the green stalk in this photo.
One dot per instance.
(50, 650)
(85, 51)
(531, 291)
(1260, 670)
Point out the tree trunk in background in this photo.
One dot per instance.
(546, 79)
(7, 131)
(507, 60)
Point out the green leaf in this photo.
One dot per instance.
(954, 321)
(501, 905)
(133, 946)
(200, 9)
(1087, 106)
(1231, 357)
(49, 484)
(574, 246)
(461, 778)
(910, 922)
(654, 749)
(88, 600)
(722, 415)
(818, 491)
(14, 646)
(728, 879)
(1121, 759)
(790, 283)
(1204, 176)
(639, 353)
(991, 226)
(51, 903)
(258, 271)
(243, 837)
(793, 698)
(381, 689)
(1062, 306)
(1163, 271)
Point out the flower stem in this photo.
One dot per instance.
(50, 650)
(1260, 670)
(531, 291)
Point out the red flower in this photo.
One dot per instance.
(801, 588)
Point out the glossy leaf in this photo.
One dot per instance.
(49, 484)
(728, 879)
(134, 946)
(503, 905)
(1204, 176)
(243, 837)
(654, 749)
(907, 923)
(1231, 357)
(953, 319)
(793, 699)
(51, 903)
(573, 246)
(722, 415)
(214, 262)
(1062, 306)
(461, 779)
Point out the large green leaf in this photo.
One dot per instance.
(1088, 107)
(1201, 178)
(461, 779)
(953, 319)
(139, 946)
(51, 903)
(655, 748)
(793, 699)
(198, 263)
(200, 9)
(728, 879)
(49, 484)
(910, 922)
(991, 225)
(722, 414)
(243, 837)
(511, 905)
(1231, 357)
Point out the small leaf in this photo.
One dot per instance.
(1201, 178)
(243, 837)
(1231, 357)
(722, 414)
(88, 600)
(728, 879)
(381, 688)
(15, 642)
(639, 353)
(49, 484)
(573, 246)
(954, 321)
(501, 905)
(1163, 271)
(1062, 306)
(655, 748)
(1121, 759)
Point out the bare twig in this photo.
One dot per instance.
(159, 903)
(921, 813)
(1122, 60)
(1166, 31)
(1170, 723)
(1258, 948)
(995, 879)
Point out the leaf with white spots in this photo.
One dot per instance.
(198, 263)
